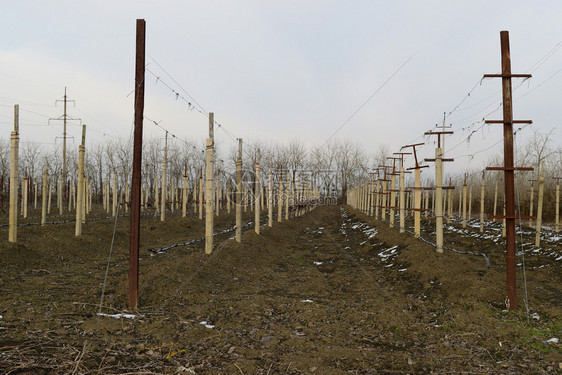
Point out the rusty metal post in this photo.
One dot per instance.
(508, 168)
(134, 234)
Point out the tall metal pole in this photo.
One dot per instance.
(257, 193)
(134, 235)
(508, 168)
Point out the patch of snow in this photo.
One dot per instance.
(204, 322)
(118, 316)
(306, 300)
(318, 263)
(535, 316)
(553, 340)
(402, 270)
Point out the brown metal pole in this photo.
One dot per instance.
(137, 159)
(509, 172)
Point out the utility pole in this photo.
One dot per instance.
(439, 159)
(508, 168)
(417, 190)
(134, 234)
(164, 181)
(64, 118)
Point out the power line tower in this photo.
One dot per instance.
(64, 118)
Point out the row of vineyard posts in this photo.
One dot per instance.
(75, 197)
(377, 196)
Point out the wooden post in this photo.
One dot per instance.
(44, 195)
(134, 226)
(482, 190)
(539, 212)
(14, 148)
(238, 234)
(209, 187)
(257, 191)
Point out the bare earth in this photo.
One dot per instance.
(331, 292)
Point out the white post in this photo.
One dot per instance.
(209, 188)
(539, 212)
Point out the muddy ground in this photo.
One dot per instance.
(331, 292)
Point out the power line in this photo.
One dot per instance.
(368, 99)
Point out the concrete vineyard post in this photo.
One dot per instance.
(238, 234)
(557, 207)
(164, 182)
(257, 190)
(402, 199)
(438, 200)
(59, 195)
(280, 199)
(495, 200)
(417, 201)
(531, 202)
(482, 190)
(450, 203)
(35, 187)
(114, 202)
(217, 195)
(156, 194)
(44, 195)
(24, 190)
(269, 201)
(287, 197)
(209, 187)
(469, 213)
(79, 204)
(49, 196)
(184, 195)
(201, 195)
(539, 213)
(392, 197)
(13, 214)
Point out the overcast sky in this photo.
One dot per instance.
(280, 70)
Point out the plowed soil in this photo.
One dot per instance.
(330, 292)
